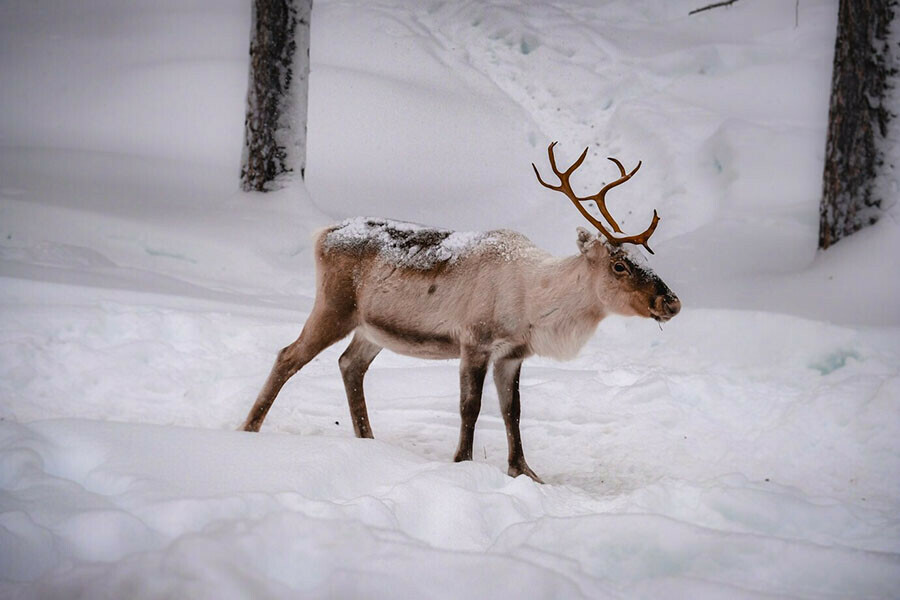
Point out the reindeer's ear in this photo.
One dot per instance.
(586, 240)
(590, 244)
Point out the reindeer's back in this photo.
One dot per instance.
(400, 244)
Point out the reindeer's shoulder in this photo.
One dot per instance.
(510, 246)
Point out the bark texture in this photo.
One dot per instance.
(858, 118)
(275, 122)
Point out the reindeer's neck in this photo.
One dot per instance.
(563, 307)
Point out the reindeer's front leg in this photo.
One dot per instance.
(473, 366)
(506, 377)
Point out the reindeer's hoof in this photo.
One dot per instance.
(250, 427)
(462, 455)
(523, 469)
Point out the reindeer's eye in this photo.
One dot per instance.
(620, 268)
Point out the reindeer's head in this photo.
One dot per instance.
(624, 285)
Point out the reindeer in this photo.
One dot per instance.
(485, 298)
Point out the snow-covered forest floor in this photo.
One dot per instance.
(748, 448)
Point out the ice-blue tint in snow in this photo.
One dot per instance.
(834, 361)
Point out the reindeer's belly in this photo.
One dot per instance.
(408, 340)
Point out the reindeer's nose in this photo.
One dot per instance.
(673, 305)
(666, 306)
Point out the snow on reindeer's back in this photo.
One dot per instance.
(405, 244)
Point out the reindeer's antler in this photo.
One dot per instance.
(600, 198)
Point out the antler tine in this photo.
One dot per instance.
(576, 164)
(600, 198)
(618, 164)
(552, 166)
(552, 158)
(562, 175)
(642, 238)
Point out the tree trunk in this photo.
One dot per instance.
(857, 118)
(275, 123)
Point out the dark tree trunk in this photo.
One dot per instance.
(275, 123)
(857, 118)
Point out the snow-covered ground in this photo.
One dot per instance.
(749, 448)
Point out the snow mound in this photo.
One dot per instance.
(147, 511)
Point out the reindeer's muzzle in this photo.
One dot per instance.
(665, 306)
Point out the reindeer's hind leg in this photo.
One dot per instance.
(323, 328)
(473, 366)
(354, 363)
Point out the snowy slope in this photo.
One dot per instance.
(747, 449)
